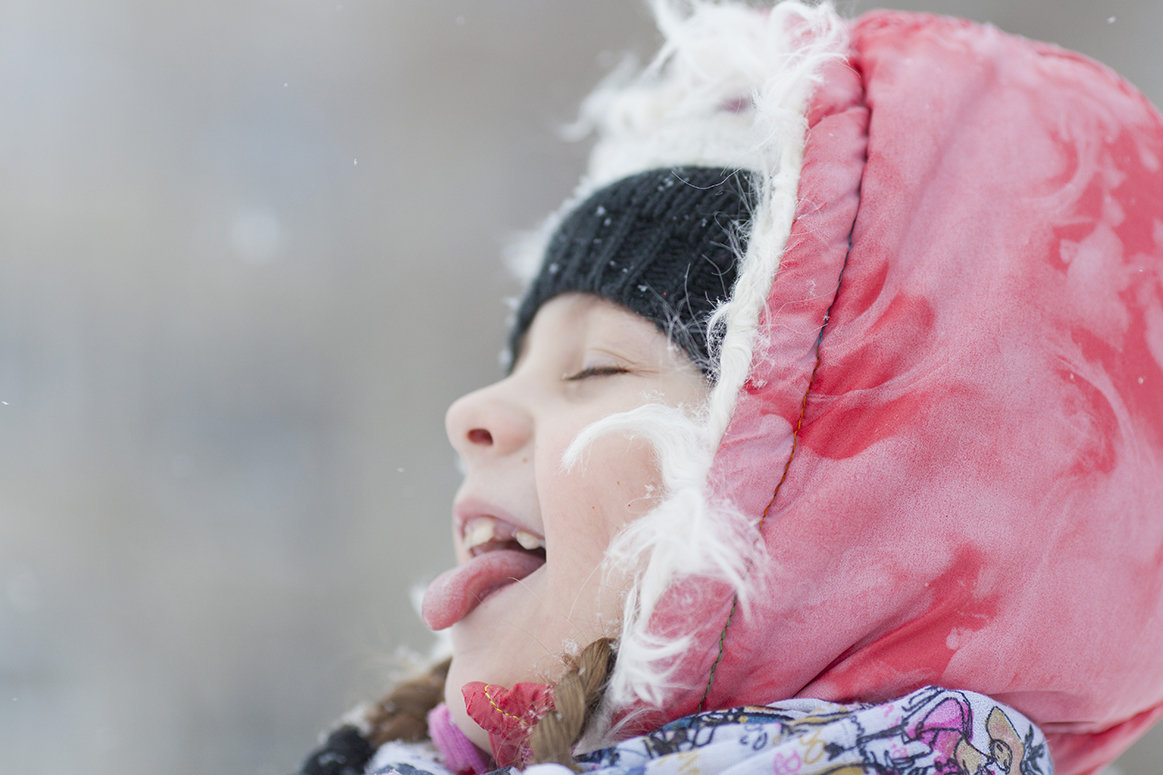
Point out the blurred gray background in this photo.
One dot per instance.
(248, 255)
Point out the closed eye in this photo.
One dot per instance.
(596, 371)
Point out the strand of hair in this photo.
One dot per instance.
(576, 696)
(403, 713)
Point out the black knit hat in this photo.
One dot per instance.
(659, 242)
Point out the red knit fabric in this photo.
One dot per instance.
(508, 715)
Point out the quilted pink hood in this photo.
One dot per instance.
(951, 435)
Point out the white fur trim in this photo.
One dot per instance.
(729, 89)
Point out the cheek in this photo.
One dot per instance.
(614, 482)
(634, 481)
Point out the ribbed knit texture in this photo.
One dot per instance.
(457, 751)
(662, 243)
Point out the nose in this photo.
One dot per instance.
(487, 422)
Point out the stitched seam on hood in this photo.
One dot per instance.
(798, 425)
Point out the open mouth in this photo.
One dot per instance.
(499, 555)
(486, 534)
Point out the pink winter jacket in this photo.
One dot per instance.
(951, 437)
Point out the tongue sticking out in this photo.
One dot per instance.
(456, 592)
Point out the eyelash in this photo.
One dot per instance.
(596, 371)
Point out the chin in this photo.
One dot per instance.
(455, 702)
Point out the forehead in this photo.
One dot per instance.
(573, 321)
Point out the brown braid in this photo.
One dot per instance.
(403, 714)
(575, 697)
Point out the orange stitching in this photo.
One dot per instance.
(758, 527)
(795, 434)
(795, 441)
(502, 711)
(719, 658)
(795, 437)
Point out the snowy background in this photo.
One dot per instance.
(248, 254)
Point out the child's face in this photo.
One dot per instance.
(584, 358)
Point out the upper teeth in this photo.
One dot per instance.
(481, 531)
(528, 540)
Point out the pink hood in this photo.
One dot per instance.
(951, 435)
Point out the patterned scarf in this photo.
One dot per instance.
(931, 731)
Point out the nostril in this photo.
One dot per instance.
(480, 436)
